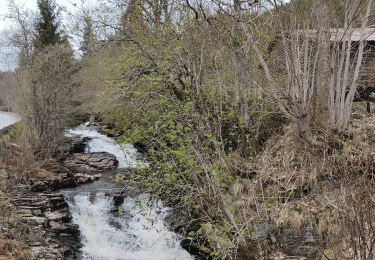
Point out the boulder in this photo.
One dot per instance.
(61, 181)
(73, 144)
(78, 144)
(82, 162)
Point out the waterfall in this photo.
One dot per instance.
(126, 153)
(135, 230)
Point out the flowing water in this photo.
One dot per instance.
(135, 230)
(126, 154)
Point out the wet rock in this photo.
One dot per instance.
(92, 162)
(118, 200)
(73, 144)
(141, 147)
(61, 181)
(48, 216)
(65, 228)
(78, 144)
(57, 215)
(38, 221)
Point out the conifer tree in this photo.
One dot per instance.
(47, 25)
(132, 19)
(89, 39)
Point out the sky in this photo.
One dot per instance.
(30, 4)
(7, 58)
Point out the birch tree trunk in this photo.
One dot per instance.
(321, 111)
(346, 63)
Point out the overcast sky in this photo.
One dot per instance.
(30, 4)
(7, 57)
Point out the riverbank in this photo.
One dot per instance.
(34, 200)
(51, 209)
(46, 201)
(291, 198)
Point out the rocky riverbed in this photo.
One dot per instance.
(44, 207)
(78, 212)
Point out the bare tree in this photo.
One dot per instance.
(322, 65)
(44, 98)
(21, 36)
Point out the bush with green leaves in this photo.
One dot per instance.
(191, 129)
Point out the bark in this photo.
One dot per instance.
(321, 111)
(353, 86)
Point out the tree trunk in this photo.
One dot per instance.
(321, 108)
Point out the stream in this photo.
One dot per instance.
(133, 230)
(115, 223)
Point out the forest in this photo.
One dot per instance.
(250, 114)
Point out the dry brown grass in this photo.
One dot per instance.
(13, 232)
(18, 163)
(17, 166)
(12, 250)
(329, 188)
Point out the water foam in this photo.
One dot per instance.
(138, 232)
(126, 153)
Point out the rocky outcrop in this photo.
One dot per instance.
(304, 244)
(61, 181)
(47, 211)
(82, 162)
(73, 144)
(48, 215)
(78, 144)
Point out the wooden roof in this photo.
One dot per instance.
(340, 34)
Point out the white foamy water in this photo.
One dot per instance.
(125, 153)
(138, 232)
(8, 119)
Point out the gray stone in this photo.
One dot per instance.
(36, 212)
(82, 162)
(57, 215)
(304, 243)
(36, 220)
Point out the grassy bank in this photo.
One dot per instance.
(14, 233)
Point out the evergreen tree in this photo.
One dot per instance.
(47, 25)
(132, 19)
(89, 39)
